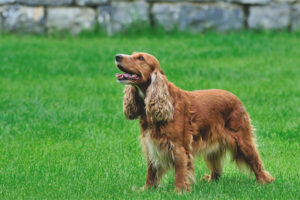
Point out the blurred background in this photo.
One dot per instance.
(112, 16)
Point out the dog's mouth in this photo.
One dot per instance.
(127, 76)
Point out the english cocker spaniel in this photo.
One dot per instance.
(177, 125)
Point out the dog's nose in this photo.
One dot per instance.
(119, 57)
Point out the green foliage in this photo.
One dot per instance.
(63, 134)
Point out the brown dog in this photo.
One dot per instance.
(176, 125)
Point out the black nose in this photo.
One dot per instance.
(119, 58)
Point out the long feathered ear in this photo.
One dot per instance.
(132, 103)
(158, 100)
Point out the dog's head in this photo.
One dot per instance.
(137, 68)
(143, 71)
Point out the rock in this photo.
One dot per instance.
(296, 17)
(23, 18)
(273, 16)
(45, 2)
(72, 19)
(90, 2)
(185, 0)
(251, 1)
(284, 1)
(197, 18)
(1, 21)
(121, 15)
(6, 1)
(166, 15)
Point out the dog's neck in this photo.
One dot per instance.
(142, 88)
(141, 93)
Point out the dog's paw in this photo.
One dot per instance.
(207, 177)
(210, 177)
(265, 178)
(182, 188)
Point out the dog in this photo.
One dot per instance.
(177, 125)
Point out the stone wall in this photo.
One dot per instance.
(44, 16)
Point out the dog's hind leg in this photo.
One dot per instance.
(215, 162)
(245, 150)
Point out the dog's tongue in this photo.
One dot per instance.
(123, 75)
(119, 75)
(126, 75)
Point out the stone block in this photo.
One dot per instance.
(6, 1)
(166, 15)
(17, 18)
(284, 1)
(121, 15)
(198, 17)
(296, 17)
(273, 16)
(72, 19)
(1, 20)
(260, 2)
(165, 1)
(45, 2)
(90, 2)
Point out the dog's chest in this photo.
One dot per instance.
(160, 152)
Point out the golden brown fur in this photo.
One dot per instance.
(177, 125)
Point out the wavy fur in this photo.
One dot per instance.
(158, 100)
(132, 103)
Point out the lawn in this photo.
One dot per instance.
(63, 134)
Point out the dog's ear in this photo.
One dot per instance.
(132, 103)
(158, 100)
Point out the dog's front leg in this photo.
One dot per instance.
(181, 179)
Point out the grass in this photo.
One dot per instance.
(63, 134)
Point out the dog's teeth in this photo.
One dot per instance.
(134, 75)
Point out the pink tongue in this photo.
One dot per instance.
(118, 75)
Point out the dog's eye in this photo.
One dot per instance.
(141, 58)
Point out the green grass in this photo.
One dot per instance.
(63, 134)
